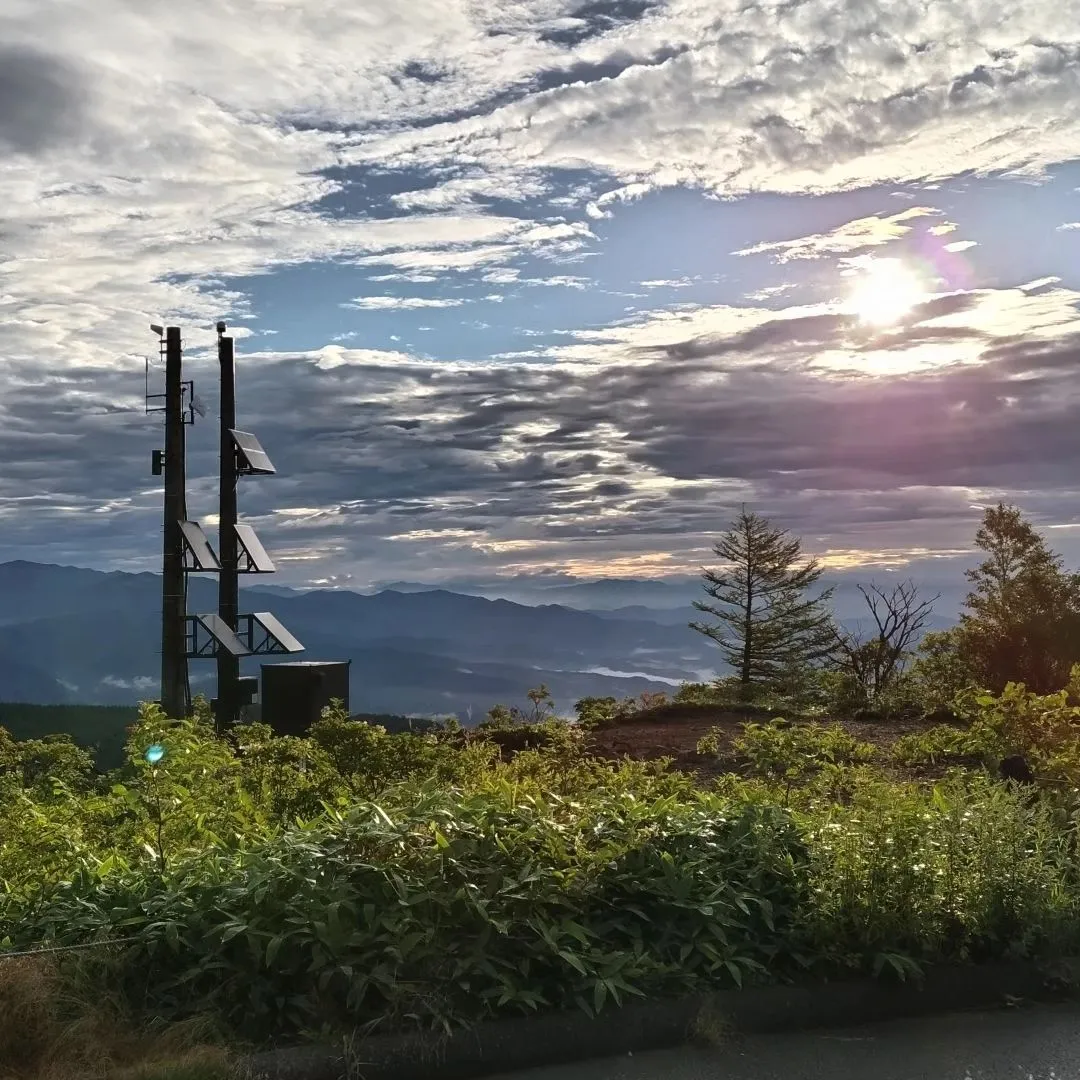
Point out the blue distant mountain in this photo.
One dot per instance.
(96, 636)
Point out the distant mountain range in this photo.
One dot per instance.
(76, 635)
(72, 635)
(670, 600)
(604, 595)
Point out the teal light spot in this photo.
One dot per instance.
(155, 753)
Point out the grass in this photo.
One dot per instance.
(49, 1031)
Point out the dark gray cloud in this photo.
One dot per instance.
(41, 100)
(636, 455)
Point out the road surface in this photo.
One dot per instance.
(1037, 1042)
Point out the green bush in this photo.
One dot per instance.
(786, 751)
(941, 671)
(98, 728)
(942, 744)
(596, 713)
(700, 694)
(450, 908)
(969, 871)
(284, 885)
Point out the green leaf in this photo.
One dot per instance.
(273, 947)
(573, 961)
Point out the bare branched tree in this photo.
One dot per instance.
(874, 660)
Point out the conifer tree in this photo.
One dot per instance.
(1022, 617)
(766, 621)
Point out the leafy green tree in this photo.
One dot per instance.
(941, 670)
(767, 624)
(39, 764)
(1022, 622)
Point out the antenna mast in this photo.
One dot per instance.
(175, 691)
(225, 635)
(228, 666)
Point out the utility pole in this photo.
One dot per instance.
(174, 674)
(228, 665)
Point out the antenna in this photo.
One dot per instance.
(174, 673)
(240, 551)
(225, 635)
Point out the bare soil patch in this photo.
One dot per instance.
(674, 731)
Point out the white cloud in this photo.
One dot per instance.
(599, 208)
(332, 356)
(767, 293)
(395, 303)
(209, 166)
(466, 190)
(961, 245)
(851, 236)
(1068, 226)
(507, 275)
(667, 283)
(415, 277)
(1040, 284)
(800, 98)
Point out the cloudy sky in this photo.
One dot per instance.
(546, 286)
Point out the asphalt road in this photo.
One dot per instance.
(1038, 1042)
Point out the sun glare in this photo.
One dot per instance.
(885, 291)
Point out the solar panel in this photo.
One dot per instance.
(219, 630)
(252, 456)
(260, 562)
(198, 547)
(281, 639)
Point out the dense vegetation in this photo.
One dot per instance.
(284, 885)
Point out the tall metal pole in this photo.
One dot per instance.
(228, 666)
(174, 682)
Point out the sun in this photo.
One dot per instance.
(885, 291)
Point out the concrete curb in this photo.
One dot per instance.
(502, 1046)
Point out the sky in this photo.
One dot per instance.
(545, 288)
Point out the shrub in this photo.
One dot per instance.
(595, 713)
(38, 765)
(267, 887)
(937, 745)
(1041, 728)
(789, 751)
(450, 908)
(941, 671)
(369, 759)
(969, 871)
(700, 694)
(541, 708)
(709, 743)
